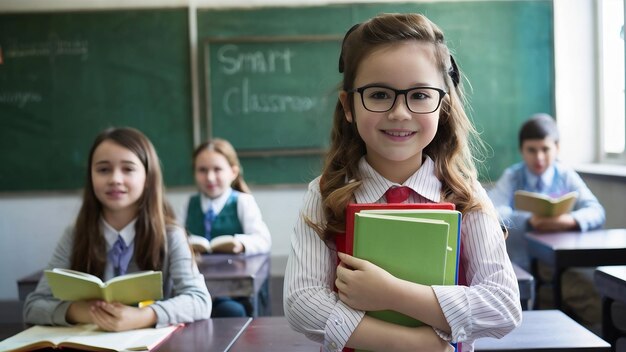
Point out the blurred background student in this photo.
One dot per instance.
(124, 226)
(541, 172)
(224, 206)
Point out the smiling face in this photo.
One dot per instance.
(397, 136)
(214, 175)
(118, 178)
(539, 154)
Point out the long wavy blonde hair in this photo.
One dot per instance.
(451, 148)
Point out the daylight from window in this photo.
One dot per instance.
(612, 56)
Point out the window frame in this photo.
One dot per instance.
(603, 155)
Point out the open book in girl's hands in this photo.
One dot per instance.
(219, 244)
(544, 205)
(72, 285)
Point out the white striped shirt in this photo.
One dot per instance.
(490, 306)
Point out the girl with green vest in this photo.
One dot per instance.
(224, 206)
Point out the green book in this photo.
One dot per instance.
(412, 249)
(452, 217)
(72, 285)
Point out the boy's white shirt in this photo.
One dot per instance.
(546, 177)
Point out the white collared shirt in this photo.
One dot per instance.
(490, 306)
(256, 236)
(110, 236)
(546, 178)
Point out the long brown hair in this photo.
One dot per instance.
(153, 217)
(450, 148)
(224, 147)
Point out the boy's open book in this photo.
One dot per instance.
(86, 338)
(543, 205)
(72, 285)
(219, 244)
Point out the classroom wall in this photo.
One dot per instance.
(31, 223)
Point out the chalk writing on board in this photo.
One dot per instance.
(20, 99)
(233, 61)
(240, 100)
(51, 48)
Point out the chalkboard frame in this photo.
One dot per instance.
(258, 152)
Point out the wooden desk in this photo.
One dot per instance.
(611, 284)
(526, 283)
(217, 334)
(575, 249)
(545, 330)
(272, 334)
(542, 330)
(224, 275)
(236, 275)
(10, 329)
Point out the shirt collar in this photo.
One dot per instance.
(423, 182)
(217, 204)
(546, 177)
(110, 234)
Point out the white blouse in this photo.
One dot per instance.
(490, 306)
(256, 237)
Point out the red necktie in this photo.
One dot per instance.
(397, 194)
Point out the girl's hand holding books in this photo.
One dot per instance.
(359, 283)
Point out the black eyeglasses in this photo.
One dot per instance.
(420, 100)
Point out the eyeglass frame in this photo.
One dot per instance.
(360, 90)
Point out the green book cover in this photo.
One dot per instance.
(452, 217)
(71, 285)
(412, 249)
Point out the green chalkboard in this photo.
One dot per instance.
(505, 49)
(260, 84)
(66, 76)
(267, 77)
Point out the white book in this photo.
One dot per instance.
(86, 337)
(219, 244)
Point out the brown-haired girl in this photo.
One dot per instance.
(124, 226)
(399, 122)
(224, 206)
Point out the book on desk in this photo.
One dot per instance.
(86, 337)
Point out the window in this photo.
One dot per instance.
(611, 80)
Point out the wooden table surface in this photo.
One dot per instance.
(541, 330)
(575, 249)
(217, 334)
(611, 284)
(272, 334)
(545, 330)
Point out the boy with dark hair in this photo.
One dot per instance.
(541, 172)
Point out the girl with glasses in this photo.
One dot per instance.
(399, 121)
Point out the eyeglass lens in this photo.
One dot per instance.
(418, 100)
